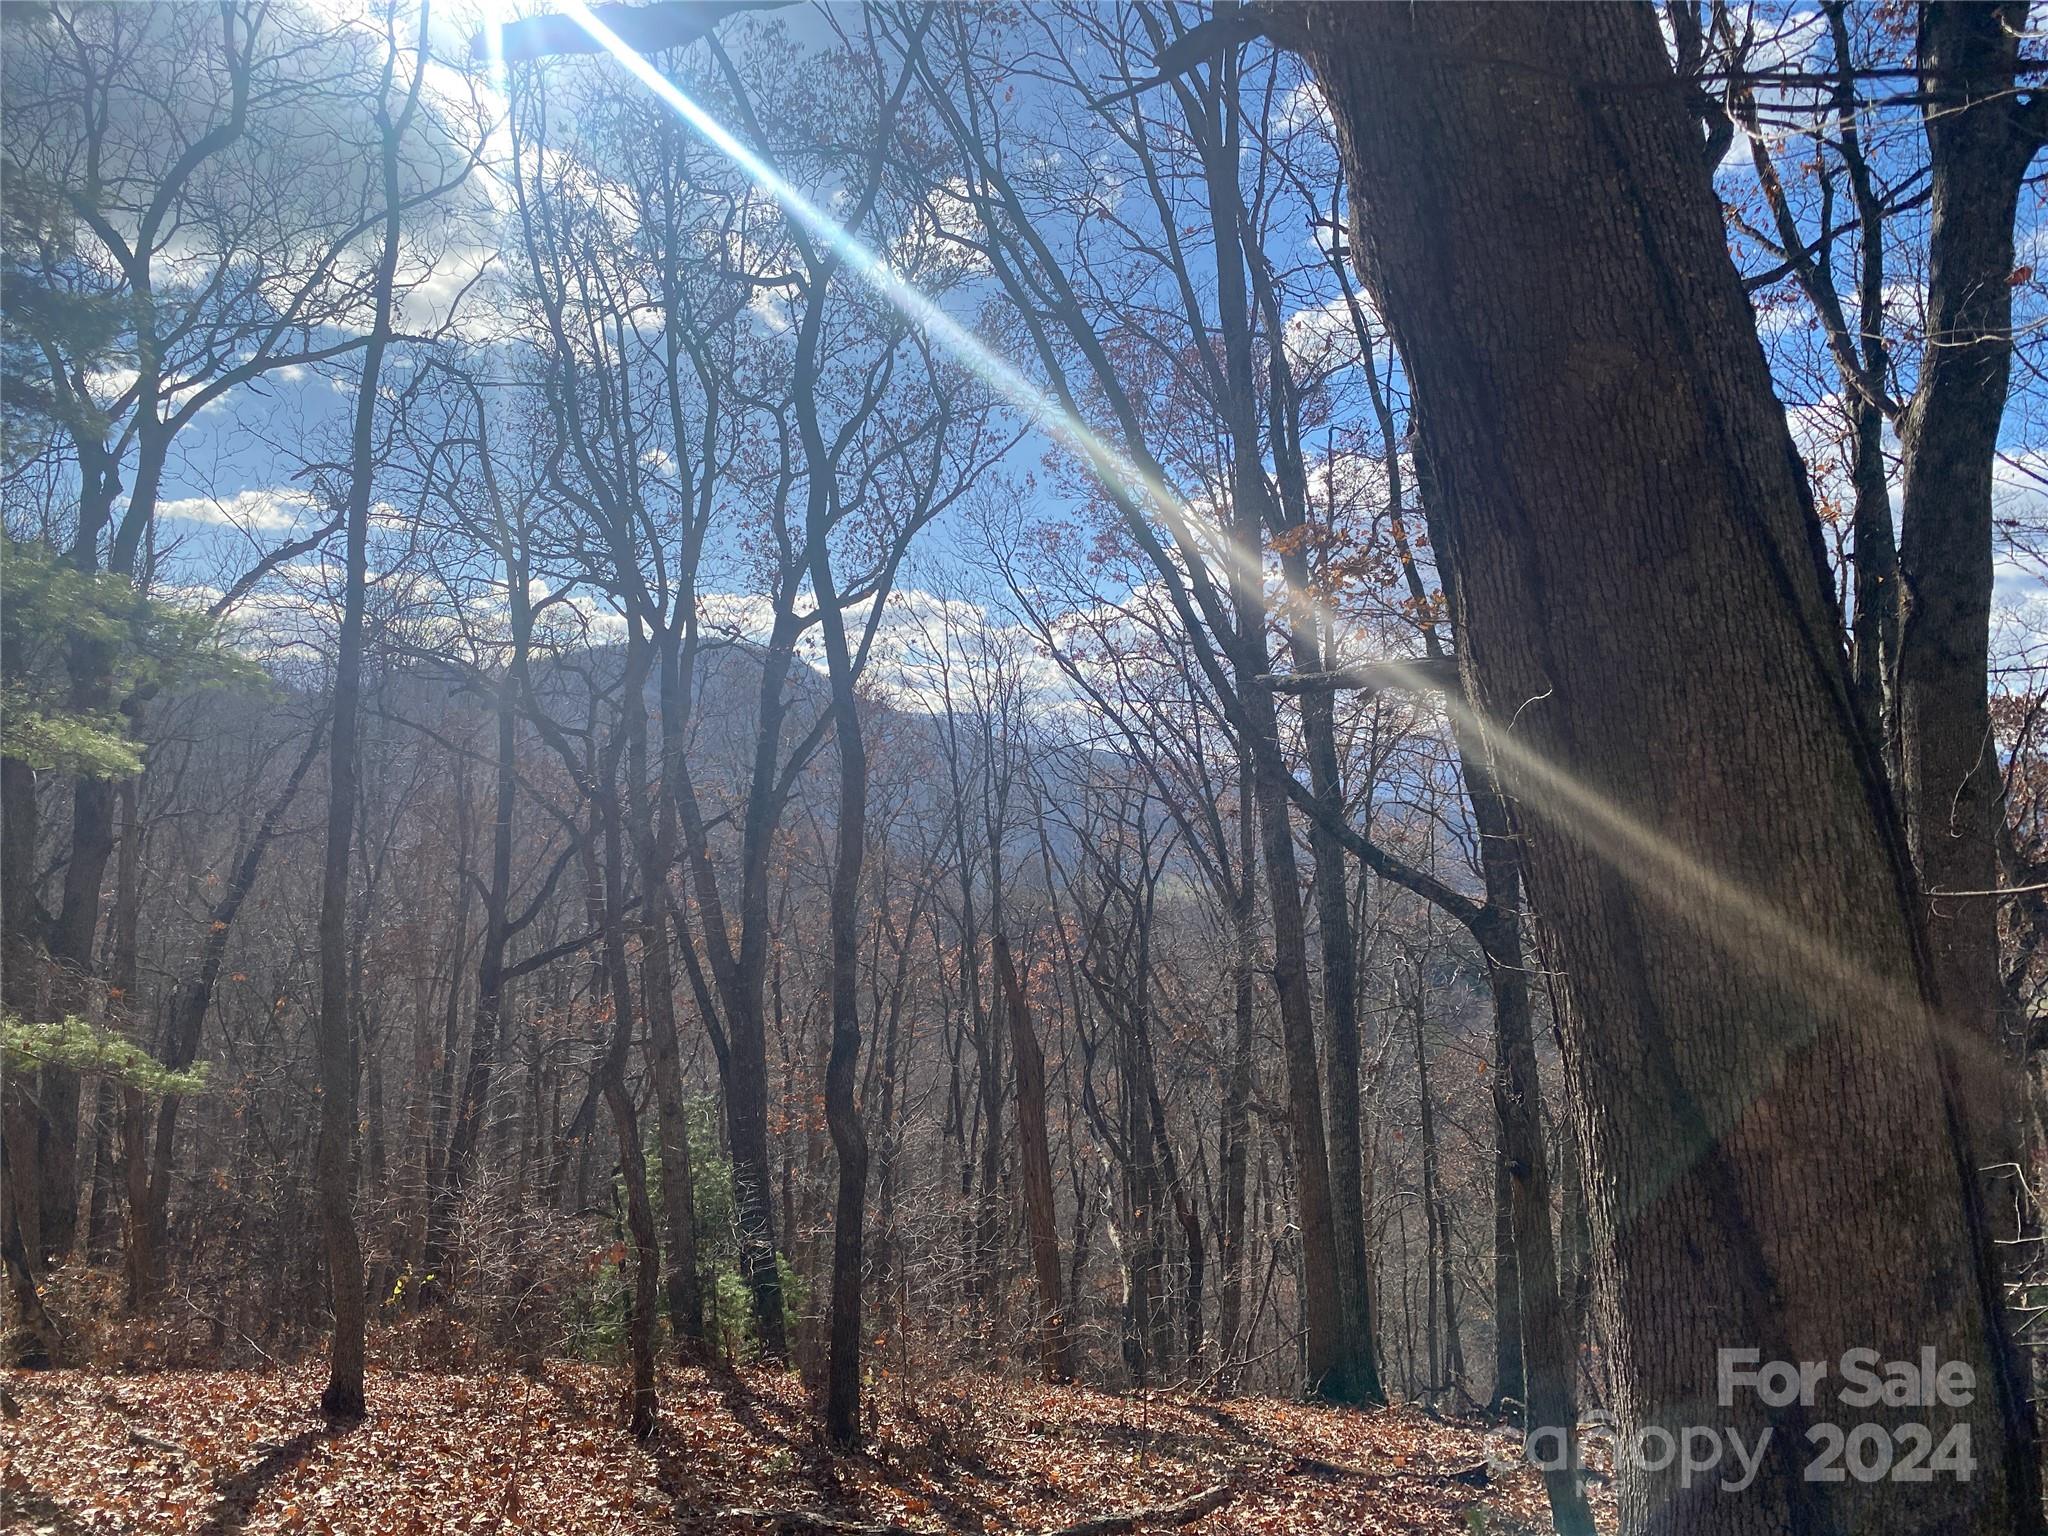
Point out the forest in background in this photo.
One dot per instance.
(1308, 700)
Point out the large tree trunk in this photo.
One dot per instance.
(1769, 1124)
(1981, 138)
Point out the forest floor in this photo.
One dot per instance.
(222, 1452)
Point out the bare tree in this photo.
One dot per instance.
(335, 1050)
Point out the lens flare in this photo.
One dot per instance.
(1745, 924)
(966, 348)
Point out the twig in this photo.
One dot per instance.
(802, 1522)
(1186, 1512)
(207, 1316)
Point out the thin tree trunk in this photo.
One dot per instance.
(644, 1302)
(334, 1045)
(1034, 1160)
(452, 1177)
(148, 1224)
(1529, 1308)
(1981, 138)
(1237, 1092)
(842, 1112)
(1432, 1208)
(654, 848)
(1510, 1391)
(740, 972)
(51, 1166)
(1341, 1363)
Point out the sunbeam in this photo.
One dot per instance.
(1744, 924)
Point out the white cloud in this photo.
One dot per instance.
(254, 509)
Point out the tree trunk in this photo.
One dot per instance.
(71, 947)
(644, 1302)
(842, 1112)
(740, 971)
(51, 1166)
(1769, 1124)
(451, 1178)
(147, 1224)
(33, 1342)
(654, 847)
(1434, 1240)
(1539, 1359)
(334, 1044)
(1341, 1363)
(1545, 1353)
(1237, 1092)
(1510, 1390)
(1980, 140)
(1034, 1161)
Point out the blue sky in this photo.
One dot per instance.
(232, 485)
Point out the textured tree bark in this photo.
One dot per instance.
(1981, 137)
(1772, 1150)
(1034, 1164)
